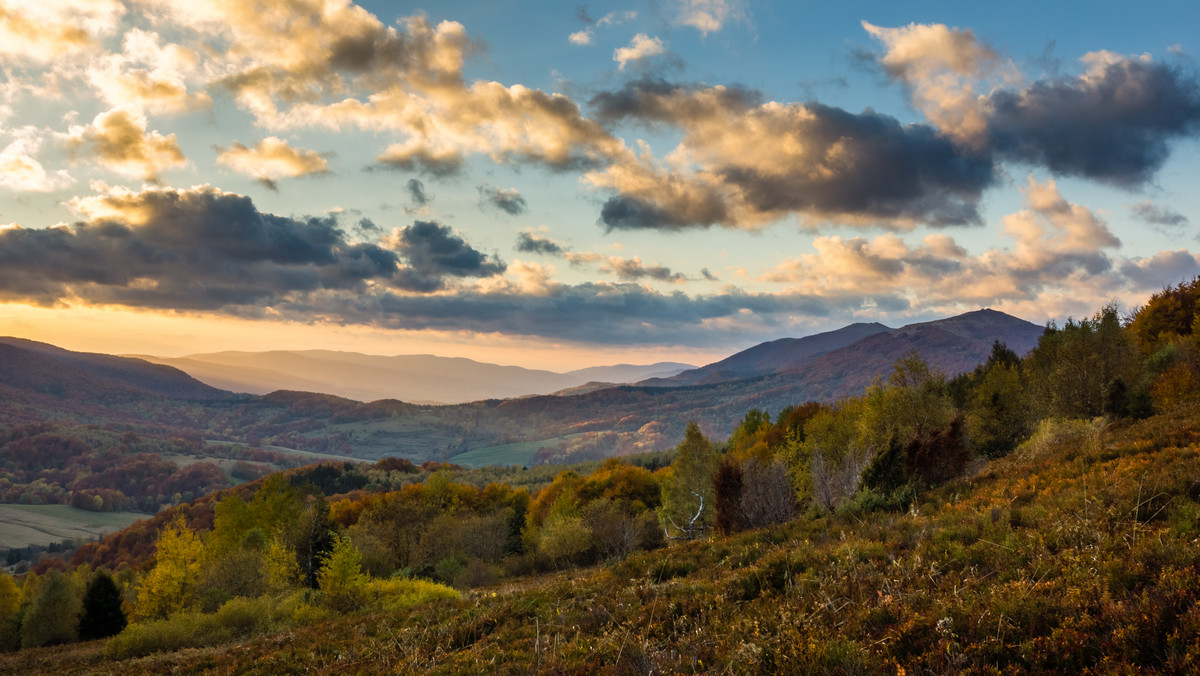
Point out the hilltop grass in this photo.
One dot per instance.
(1078, 553)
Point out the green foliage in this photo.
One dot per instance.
(102, 613)
(1070, 370)
(1167, 316)
(10, 623)
(340, 579)
(687, 490)
(54, 615)
(399, 594)
(999, 415)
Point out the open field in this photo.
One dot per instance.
(519, 453)
(24, 525)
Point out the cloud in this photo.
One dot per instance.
(416, 193)
(528, 242)
(632, 269)
(583, 37)
(118, 140)
(334, 65)
(743, 164)
(194, 249)
(1112, 123)
(43, 32)
(1158, 215)
(710, 16)
(20, 171)
(149, 76)
(507, 200)
(435, 252)
(940, 66)
(588, 34)
(271, 160)
(641, 47)
(1062, 255)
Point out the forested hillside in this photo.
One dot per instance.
(1035, 514)
(590, 425)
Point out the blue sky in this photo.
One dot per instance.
(561, 185)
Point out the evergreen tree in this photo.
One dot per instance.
(102, 613)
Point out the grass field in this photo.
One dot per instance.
(24, 525)
(520, 453)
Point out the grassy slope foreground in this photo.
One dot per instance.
(1079, 553)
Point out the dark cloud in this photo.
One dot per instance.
(620, 314)
(656, 100)
(630, 213)
(531, 243)
(1112, 124)
(1158, 215)
(434, 252)
(859, 166)
(416, 193)
(424, 160)
(708, 275)
(203, 249)
(508, 200)
(190, 249)
(632, 269)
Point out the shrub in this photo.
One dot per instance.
(399, 594)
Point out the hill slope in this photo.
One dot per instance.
(784, 354)
(1076, 554)
(425, 379)
(39, 368)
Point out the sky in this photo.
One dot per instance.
(560, 186)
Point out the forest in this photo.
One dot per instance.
(1040, 512)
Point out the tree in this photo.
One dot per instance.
(341, 580)
(170, 586)
(10, 603)
(999, 416)
(102, 612)
(54, 615)
(280, 571)
(727, 491)
(687, 492)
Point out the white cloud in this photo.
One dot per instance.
(642, 47)
(710, 16)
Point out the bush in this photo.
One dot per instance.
(236, 620)
(401, 594)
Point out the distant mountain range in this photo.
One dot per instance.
(42, 382)
(422, 379)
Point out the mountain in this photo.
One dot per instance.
(524, 430)
(629, 373)
(842, 362)
(784, 354)
(423, 379)
(29, 368)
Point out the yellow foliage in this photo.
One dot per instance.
(170, 586)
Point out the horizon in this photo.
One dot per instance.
(646, 182)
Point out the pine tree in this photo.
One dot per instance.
(102, 613)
